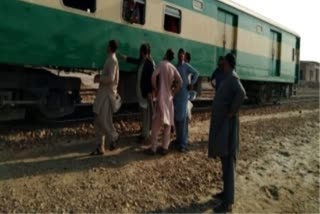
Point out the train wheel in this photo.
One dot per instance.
(263, 95)
(57, 104)
(287, 92)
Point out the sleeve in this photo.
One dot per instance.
(146, 75)
(154, 77)
(149, 66)
(194, 74)
(110, 71)
(239, 95)
(133, 60)
(213, 76)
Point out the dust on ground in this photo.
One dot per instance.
(278, 169)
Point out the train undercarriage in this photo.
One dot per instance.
(39, 93)
(264, 92)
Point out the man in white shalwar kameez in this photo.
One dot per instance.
(105, 103)
(163, 115)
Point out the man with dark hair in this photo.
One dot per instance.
(187, 57)
(224, 130)
(106, 102)
(162, 81)
(145, 69)
(113, 46)
(218, 74)
(169, 55)
(181, 100)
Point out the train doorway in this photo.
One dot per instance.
(275, 53)
(227, 32)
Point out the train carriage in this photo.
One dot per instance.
(36, 35)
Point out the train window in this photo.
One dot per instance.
(198, 5)
(134, 11)
(86, 5)
(172, 20)
(293, 54)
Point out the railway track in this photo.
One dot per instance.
(304, 99)
(83, 113)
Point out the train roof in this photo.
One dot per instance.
(257, 15)
(308, 61)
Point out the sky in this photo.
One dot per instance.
(302, 17)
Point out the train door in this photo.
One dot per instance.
(227, 32)
(296, 54)
(275, 53)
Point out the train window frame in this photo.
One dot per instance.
(171, 14)
(142, 2)
(62, 2)
(196, 4)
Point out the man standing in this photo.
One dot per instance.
(181, 101)
(224, 130)
(105, 103)
(162, 82)
(218, 74)
(144, 87)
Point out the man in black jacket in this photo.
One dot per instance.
(145, 69)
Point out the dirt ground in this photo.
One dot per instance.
(278, 169)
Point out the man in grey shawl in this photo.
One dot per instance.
(224, 130)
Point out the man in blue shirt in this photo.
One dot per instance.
(181, 100)
(218, 74)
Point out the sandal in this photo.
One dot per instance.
(149, 152)
(112, 146)
(97, 152)
(163, 151)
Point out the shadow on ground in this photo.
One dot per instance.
(74, 158)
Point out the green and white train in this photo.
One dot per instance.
(38, 35)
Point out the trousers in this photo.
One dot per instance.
(182, 132)
(146, 120)
(157, 124)
(228, 177)
(103, 124)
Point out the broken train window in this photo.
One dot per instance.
(134, 11)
